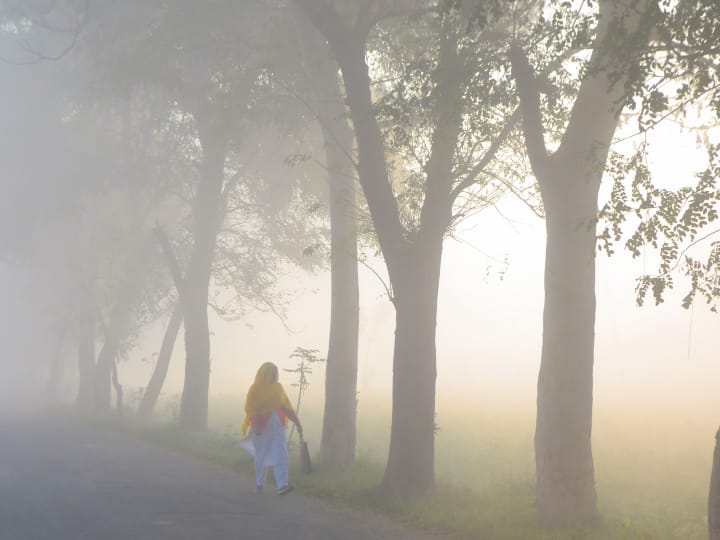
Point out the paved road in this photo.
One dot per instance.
(61, 480)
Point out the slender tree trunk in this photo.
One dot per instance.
(53, 385)
(410, 468)
(103, 374)
(152, 392)
(115, 334)
(714, 497)
(372, 164)
(86, 368)
(207, 211)
(563, 453)
(56, 366)
(411, 461)
(118, 389)
(337, 449)
(338, 441)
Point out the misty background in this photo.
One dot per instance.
(400, 189)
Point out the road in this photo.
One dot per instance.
(63, 480)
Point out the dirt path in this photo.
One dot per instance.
(61, 480)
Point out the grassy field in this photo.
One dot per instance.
(651, 475)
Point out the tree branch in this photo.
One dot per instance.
(38, 56)
(172, 262)
(682, 253)
(534, 209)
(388, 288)
(488, 156)
(529, 94)
(436, 209)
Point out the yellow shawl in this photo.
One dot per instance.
(265, 396)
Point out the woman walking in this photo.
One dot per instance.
(267, 410)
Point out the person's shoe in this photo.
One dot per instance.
(285, 490)
(259, 490)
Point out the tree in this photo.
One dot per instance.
(569, 180)
(54, 199)
(209, 85)
(337, 447)
(207, 97)
(157, 379)
(643, 63)
(221, 98)
(412, 214)
(320, 73)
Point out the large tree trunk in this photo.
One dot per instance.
(207, 211)
(714, 497)
(337, 449)
(411, 460)
(152, 392)
(569, 183)
(410, 468)
(86, 368)
(412, 257)
(563, 453)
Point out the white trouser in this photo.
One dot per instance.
(271, 451)
(280, 472)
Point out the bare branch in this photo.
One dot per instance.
(488, 156)
(388, 288)
(529, 94)
(172, 262)
(517, 194)
(680, 256)
(38, 56)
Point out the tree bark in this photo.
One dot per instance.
(413, 258)
(56, 364)
(103, 374)
(207, 210)
(152, 392)
(86, 368)
(410, 469)
(563, 454)
(118, 388)
(714, 497)
(372, 164)
(337, 448)
(115, 333)
(569, 183)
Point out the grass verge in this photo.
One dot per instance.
(501, 510)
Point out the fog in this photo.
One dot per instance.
(652, 358)
(414, 202)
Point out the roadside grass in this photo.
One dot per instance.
(651, 483)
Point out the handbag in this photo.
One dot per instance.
(305, 465)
